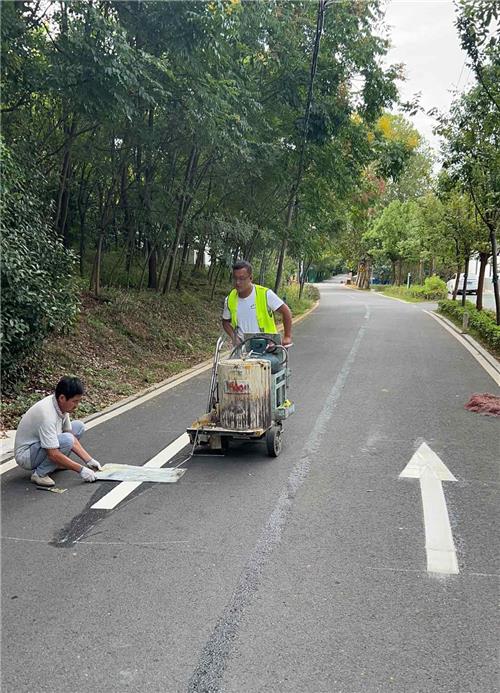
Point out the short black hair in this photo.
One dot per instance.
(243, 264)
(69, 387)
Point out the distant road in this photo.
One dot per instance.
(488, 296)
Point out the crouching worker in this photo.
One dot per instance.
(46, 436)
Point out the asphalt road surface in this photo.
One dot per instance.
(307, 573)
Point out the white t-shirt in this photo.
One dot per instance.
(42, 423)
(247, 314)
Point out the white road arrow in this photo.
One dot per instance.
(426, 466)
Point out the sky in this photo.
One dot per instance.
(424, 38)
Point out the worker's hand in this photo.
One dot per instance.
(87, 474)
(94, 464)
(287, 342)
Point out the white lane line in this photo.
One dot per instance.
(394, 298)
(479, 358)
(125, 488)
(426, 466)
(7, 466)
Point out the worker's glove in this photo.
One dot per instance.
(94, 464)
(87, 474)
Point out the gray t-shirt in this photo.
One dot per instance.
(42, 423)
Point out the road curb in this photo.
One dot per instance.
(145, 394)
(490, 364)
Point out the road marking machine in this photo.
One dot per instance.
(248, 397)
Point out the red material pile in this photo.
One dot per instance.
(484, 404)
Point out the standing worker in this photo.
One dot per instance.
(46, 436)
(249, 308)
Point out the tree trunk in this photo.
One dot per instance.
(200, 258)
(284, 243)
(185, 253)
(148, 200)
(320, 19)
(303, 277)
(421, 272)
(393, 271)
(106, 209)
(212, 268)
(215, 280)
(457, 281)
(162, 267)
(399, 265)
(491, 226)
(82, 206)
(263, 268)
(184, 202)
(152, 266)
(68, 132)
(60, 221)
(127, 220)
(96, 271)
(363, 279)
(483, 263)
(466, 274)
(82, 244)
(494, 267)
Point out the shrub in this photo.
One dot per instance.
(482, 322)
(37, 294)
(435, 287)
(290, 294)
(432, 289)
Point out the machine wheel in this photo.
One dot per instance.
(274, 441)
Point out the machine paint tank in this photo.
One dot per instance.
(244, 394)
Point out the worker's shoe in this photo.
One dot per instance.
(42, 480)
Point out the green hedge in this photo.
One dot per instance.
(482, 323)
(432, 289)
(38, 297)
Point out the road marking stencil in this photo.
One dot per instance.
(125, 488)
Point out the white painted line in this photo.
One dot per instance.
(7, 466)
(125, 488)
(394, 298)
(479, 358)
(426, 466)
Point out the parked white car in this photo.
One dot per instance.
(472, 284)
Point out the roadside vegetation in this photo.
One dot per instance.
(481, 324)
(154, 138)
(433, 289)
(411, 221)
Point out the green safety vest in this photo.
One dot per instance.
(265, 316)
